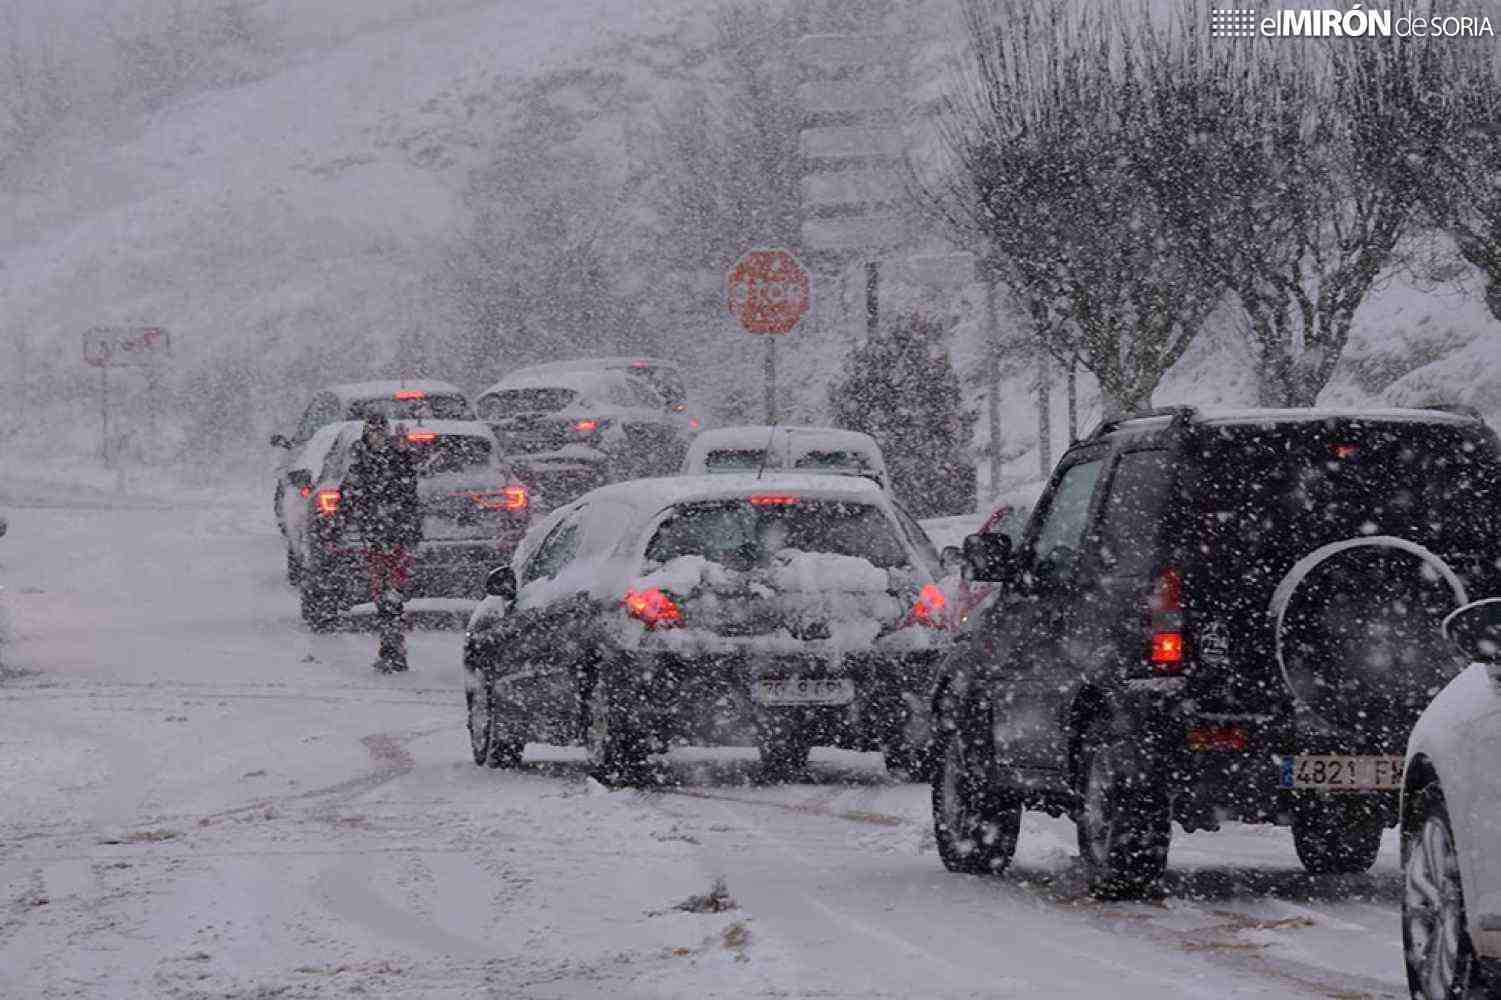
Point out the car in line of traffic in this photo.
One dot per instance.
(782, 611)
(1215, 616)
(786, 448)
(475, 512)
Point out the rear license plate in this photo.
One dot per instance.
(803, 691)
(1335, 772)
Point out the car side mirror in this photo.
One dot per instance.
(501, 583)
(280, 441)
(1476, 630)
(299, 478)
(990, 558)
(951, 559)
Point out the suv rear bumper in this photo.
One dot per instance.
(706, 700)
(440, 568)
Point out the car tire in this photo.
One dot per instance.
(1436, 947)
(1123, 818)
(617, 749)
(319, 605)
(1336, 837)
(976, 827)
(487, 744)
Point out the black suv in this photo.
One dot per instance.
(1215, 616)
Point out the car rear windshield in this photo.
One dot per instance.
(834, 461)
(741, 535)
(1266, 489)
(450, 453)
(734, 459)
(426, 407)
(512, 402)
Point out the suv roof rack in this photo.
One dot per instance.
(1180, 414)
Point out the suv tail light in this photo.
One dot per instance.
(508, 498)
(327, 502)
(1165, 655)
(1218, 739)
(585, 426)
(928, 609)
(653, 608)
(422, 437)
(406, 394)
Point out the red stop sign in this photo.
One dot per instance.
(768, 291)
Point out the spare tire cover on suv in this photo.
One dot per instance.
(1357, 624)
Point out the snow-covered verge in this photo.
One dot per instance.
(204, 800)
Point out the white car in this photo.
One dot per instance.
(783, 612)
(786, 449)
(663, 376)
(1451, 838)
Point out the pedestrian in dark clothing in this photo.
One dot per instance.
(381, 491)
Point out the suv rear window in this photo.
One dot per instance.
(741, 535)
(427, 407)
(843, 461)
(512, 402)
(1263, 490)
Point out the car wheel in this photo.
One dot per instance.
(294, 567)
(320, 608)
(486, 741)
(1123, 818)
(1336, 837)
(1435, 941)
(617, 750)
(976, 827)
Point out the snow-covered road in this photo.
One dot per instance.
(198, 798)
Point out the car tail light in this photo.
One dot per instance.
(1165, 654)
(1344, 451)
(585, 426)
(773, 499)
(1218, 739)
(306, 491)
(654, 608)
(508, 498)
(422, 437)
(406, 394)
(693, 422)
(928, 609)
(328, 502)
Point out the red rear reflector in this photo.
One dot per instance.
(406, 394)
(327, 501)
(1343, 451)
(773, 499)
(929, 607)
(1218, 739)
(422, 437)
(653, 607)
(586, 425)
(509, 498)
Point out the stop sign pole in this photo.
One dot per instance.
(769, 291)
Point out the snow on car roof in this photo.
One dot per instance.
(579, 381)
(1217, 417)
(349, 391)
(594, 364)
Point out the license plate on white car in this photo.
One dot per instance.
(1337, 772)
(803, 691)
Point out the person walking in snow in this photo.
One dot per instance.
(383, 505)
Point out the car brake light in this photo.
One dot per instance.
(1220, 739)
(508, 498)
(306, 491)
(693, 422)
(327, 501)
(654, 608)
(1165, 655)
(1344, 451)
(640, 364)
(422, 437)
(773, 499)
(928, 609)
(584, 426)
(406, 394)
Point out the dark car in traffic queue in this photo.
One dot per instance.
(783, 612)
(571, 431)
(1211, 617)
(397, 399)
(475, 511)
